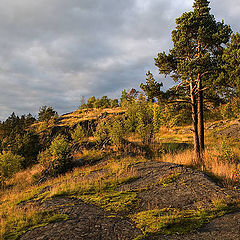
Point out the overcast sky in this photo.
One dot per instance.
(52, 52)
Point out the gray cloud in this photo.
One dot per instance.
(53, 52)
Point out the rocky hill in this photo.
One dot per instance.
(156, 201)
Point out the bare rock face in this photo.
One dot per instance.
(186, 189)
(85, 222)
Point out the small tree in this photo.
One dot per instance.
(123, 98)
(110, 130)
(9, 164)
(114, 103)
(28, 146)
(144, 117)
(104, 102)
(57, 158)
(91, 101)
(78, 135)
(102, 131)
(46, 113)
(116, 132)
(152, 89)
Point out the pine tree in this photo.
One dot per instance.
(194, 62)
(151, 88)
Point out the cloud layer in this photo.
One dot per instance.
(53, 52)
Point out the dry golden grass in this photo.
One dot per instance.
(213, 163)
(84, 179)
(86, 114)
(24, 178)
(185, 158)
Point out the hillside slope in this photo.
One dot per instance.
(159, 199)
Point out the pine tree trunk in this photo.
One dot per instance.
(195, 127)
(200, 119)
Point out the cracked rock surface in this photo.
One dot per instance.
(189, 190)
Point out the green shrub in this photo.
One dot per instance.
(56, 159)
(102, 131)
(28, 146)
(144, 121)
(78, 134)
(110, 130)
(227, 111)
(114, 103)
(131, 119)
(116, 132)
(226, 155)
(46, 113)
(9, 164)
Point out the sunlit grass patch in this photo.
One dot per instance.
(171, 220)
(15, 221)
(119, 202)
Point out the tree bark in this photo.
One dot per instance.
(195, 126)
(200, 118)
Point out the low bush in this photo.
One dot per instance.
(57, 158)
(78, 135)
(9, 164)
(110, 130)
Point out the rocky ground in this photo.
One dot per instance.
(165, 186)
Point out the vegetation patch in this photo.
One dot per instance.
(119, 202)
(16, 223)
(165, 181)
(171, 220)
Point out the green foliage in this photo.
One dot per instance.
(9, 164)
(14, 125)
(110, 130)
(151, 88)
(102, 133)
(226, 155)
(123, 98)
(195, 63)
(46, 113)
(145, 123)
(59, 147)
(103, 102)
(156, 117)
(78, 135)
(91, 101)
(116, 132)
(131, 120)
(56, 159)
(120, 202)
(231, 60)
(175, 114)
(231, 109)
(128, 96)
(16, 136)
(139, 118)
(114, 103)
(198, 41)
(227, 111)
(28, 146)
